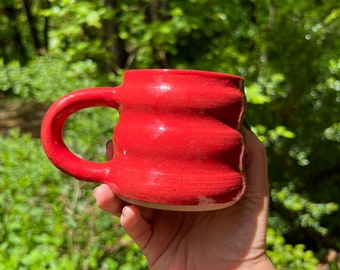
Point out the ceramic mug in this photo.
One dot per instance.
(178, 143)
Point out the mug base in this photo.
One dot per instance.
(174, 207)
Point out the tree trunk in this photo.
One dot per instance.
(32, 26)
(111, 41)
(14, 36)
(155, 15)
(46, 5)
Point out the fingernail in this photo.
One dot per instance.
(126, 210)
(95, 192)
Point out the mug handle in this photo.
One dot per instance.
(52, 133)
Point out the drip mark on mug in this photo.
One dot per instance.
(206, 200)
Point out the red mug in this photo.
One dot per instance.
(178, 143)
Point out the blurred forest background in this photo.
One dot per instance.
(288, 53)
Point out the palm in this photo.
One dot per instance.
(195, 238)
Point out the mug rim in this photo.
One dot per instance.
(186, 72)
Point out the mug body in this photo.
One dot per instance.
(178, 143)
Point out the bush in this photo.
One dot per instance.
(48, 220)
(286, 256)
(46, 78)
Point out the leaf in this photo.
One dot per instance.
(255, 94)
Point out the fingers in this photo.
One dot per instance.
(108, 201)
(135, 225)
(109, 150)
(131, 219)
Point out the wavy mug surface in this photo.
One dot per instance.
(177, 145)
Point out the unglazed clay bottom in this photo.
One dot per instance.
(184, 208)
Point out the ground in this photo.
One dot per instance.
(26, 115)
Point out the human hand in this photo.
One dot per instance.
(231, 238)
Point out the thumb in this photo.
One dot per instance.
(255, 166)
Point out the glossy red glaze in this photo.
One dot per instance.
(178, 142)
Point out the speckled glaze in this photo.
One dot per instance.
(177, 145)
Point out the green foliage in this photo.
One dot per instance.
(46, 78)
(83, 19)
(306, 213)
(48, 220)
(286, 256)
(333, 133)
(87, 132)
(287, 51)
